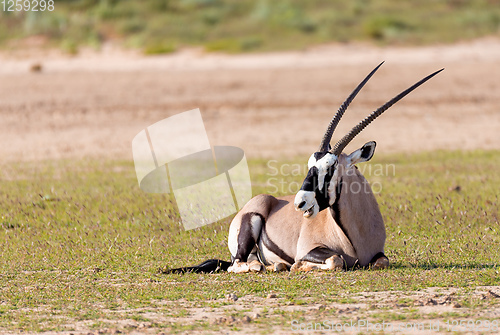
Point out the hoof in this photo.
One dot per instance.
(278, 267)
(296, 266)
(244, 267)
(381, 263)
(303, 266)
(256, 266)
(238, 267)
(335, 263)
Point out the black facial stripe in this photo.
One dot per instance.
(319, 155)
(328, 179)
(311, 181)
(322, 201)
(322, 196)
(311, 184)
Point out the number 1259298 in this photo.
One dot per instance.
(27, 5)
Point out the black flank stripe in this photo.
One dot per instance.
(274, 248)
(336, 212)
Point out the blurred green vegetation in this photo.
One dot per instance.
(162, 26)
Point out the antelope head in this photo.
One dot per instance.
(326, 166)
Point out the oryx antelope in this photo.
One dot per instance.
(326, 225)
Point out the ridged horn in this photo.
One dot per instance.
(341, 144)
(323, 147)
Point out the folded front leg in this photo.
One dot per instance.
(319, 258)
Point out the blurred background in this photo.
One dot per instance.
(163, 26)
(82, 77)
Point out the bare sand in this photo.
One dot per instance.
(271, 105)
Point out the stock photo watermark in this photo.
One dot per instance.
(27, 5)
(174, 156)
(280, 177)
(363, 325)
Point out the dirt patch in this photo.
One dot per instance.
(278, 104)
(433, 310)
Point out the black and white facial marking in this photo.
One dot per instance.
(318, 189)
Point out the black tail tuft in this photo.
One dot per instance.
(209, 266)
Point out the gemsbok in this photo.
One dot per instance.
(333, 222)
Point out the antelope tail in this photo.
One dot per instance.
(208, 266)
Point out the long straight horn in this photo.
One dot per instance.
(339, 147)
(323, 147)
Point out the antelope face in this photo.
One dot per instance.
(318, 189)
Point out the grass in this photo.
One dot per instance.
(81, 244)
(161, 26)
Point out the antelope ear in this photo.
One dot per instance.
(364, 154)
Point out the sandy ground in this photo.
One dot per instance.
(276, 104)
(429, 311)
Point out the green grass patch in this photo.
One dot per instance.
(79, 241)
